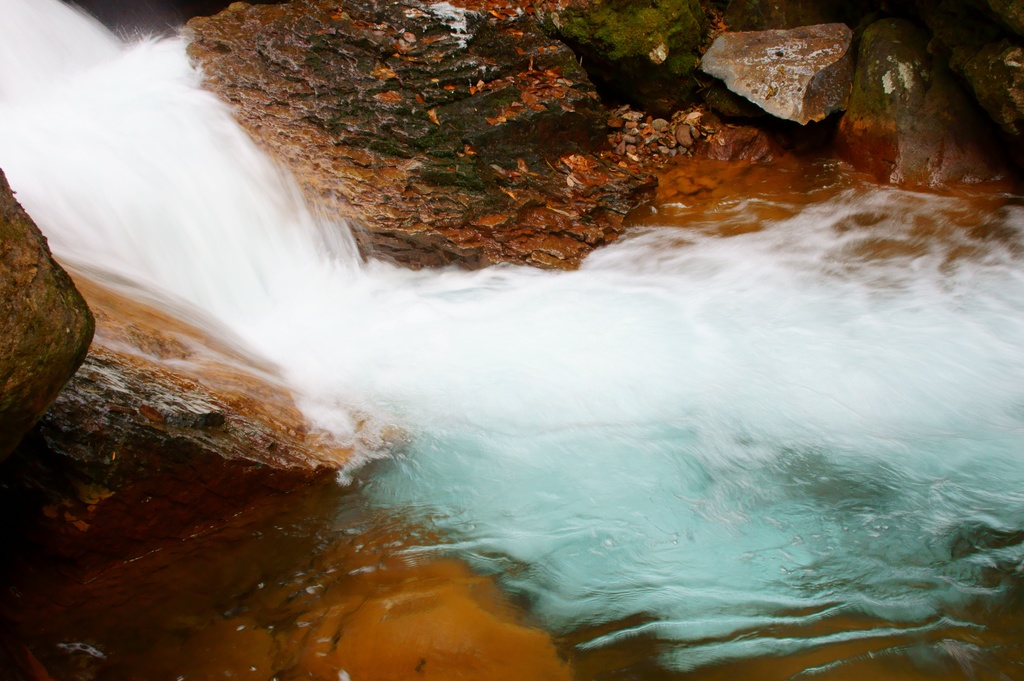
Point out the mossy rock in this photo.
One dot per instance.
(645, 52)
(909, 121)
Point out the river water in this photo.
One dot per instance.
(774, 433)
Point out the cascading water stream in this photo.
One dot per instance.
(724, 443)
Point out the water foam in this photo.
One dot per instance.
(731, 439)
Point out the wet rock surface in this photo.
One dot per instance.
(450, 135)
(161, 432)
(909, 121)
(803, 74)
(45, 326)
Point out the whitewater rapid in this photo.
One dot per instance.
(726, 438)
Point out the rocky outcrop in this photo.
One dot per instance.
(159, 434)
(996, 75)
(908, 120)
(803, 74)
(1010, 14)
(451, 135)
(45, 326)
(983, 43)
(645, 53)
(760, 15)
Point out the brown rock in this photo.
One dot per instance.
(684, 135)
(1010, 13)
(418, 145)
(909, 121)
(158, 435)
(803, 74)
(739, 143)
(996, 75)
(45, 326)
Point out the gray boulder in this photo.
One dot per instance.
(803, 74)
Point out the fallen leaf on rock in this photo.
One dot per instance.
(432, 115)
(151, 413)
(390, 97)
(383, 72)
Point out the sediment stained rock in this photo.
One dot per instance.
(909, 121)
(45, 326)
(449, 135)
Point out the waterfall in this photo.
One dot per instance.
(725, 442)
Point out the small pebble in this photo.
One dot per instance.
(629, 139)
(409, 37)
(615, 122)
(631, 125)
(663, 149)
(659, 124)
(631, 149)
(621, 149)
(673, 152)
(683, 135)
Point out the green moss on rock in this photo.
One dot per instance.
(643, 51)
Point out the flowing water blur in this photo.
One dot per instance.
(774, 433)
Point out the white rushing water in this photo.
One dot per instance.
(726, 440)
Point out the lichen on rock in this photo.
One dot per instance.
(802, 74)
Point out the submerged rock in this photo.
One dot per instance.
(45, 326)
(644, 52)
(909, 121)
(308, 586)
(801, 75)
(450, 135)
